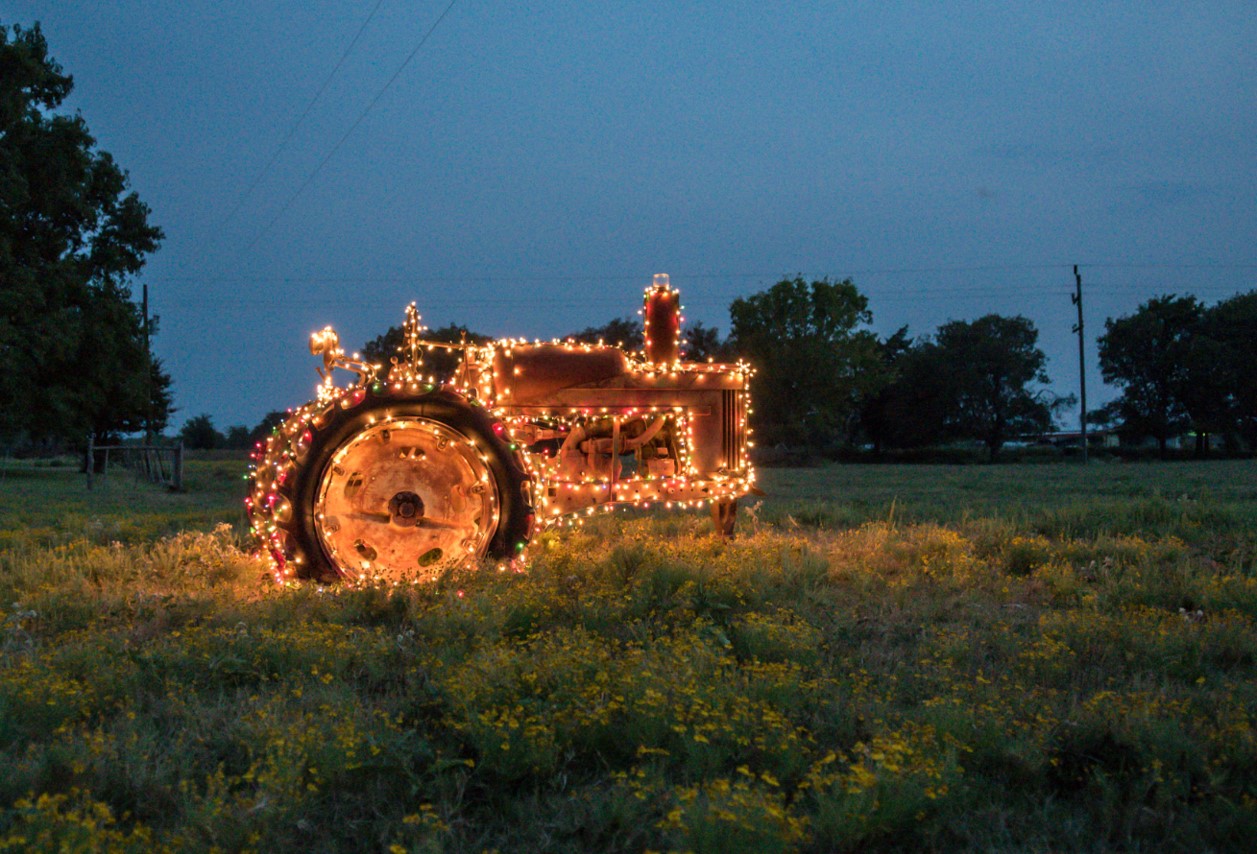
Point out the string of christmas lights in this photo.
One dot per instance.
(524, 436)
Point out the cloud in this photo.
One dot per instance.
(1047, 154)
(1158, 194)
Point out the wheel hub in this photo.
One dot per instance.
(406, 508)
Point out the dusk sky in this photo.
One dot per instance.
(532, 164)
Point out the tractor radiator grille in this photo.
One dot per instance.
(733, 435)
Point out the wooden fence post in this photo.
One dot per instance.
(90, 459)
(179, 467)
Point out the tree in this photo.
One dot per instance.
(237, 438)
(199, 433)
(1204, 387)
(921, 399)
(1149, 356)
(814, 364)
(698, 343)
(438, 361)
(623, 332)
(71, 239)
(1230, 328)
(910, 409)
(702, 343)
(267, 426)
(988, 367)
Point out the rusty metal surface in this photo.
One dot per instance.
(662, 325)
(526, 372)
(404, 497)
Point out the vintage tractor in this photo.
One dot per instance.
(401, 476)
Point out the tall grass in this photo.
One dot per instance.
(930, 660)
(42, 505)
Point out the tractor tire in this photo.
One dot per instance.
(380, 487)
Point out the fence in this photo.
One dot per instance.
(161, 464)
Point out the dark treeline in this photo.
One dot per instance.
(1183, 367)
(826, 382)
(199, 433)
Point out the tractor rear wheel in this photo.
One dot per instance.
(402, 490)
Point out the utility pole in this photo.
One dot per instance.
(148, 376)
(1082, 363)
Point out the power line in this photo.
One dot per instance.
(1082, 362)
(700, 298)
(705, 299)
(434, 302)
(695, 299)
(352, 128)
(1132, 266)
(681, 276)
(293, 130)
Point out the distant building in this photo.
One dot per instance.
(1073, 438)
(1113, 438)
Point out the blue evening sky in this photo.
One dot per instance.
(534, 163)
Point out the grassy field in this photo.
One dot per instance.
(1031, 658)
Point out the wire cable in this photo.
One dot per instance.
(352, 128)
(692, 277)
(293, 130)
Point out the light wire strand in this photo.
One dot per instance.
(378, 95)
(300, 119)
